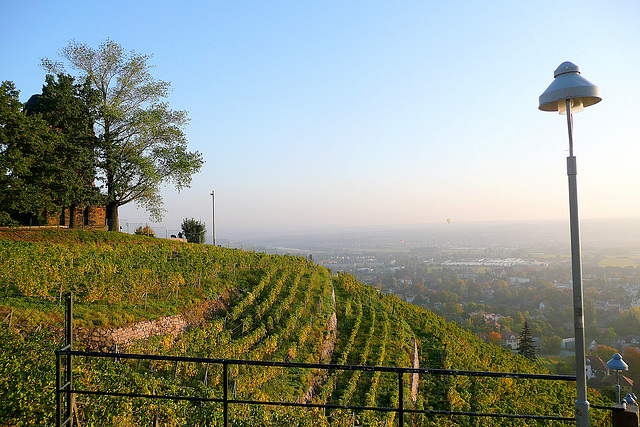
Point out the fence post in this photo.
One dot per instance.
(225, 404)
(58, 392)
(400, 399)
(69, 373)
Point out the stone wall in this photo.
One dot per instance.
(118, 339)
(326, 353)
(414, 379)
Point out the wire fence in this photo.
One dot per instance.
(31, 313)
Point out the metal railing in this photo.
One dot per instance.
(68, 377)
(68, 390)
(65, 391)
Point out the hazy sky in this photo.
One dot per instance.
(313, 114)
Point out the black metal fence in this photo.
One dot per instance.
(64, 385)
(65, 391)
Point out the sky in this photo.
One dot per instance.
(313, 115)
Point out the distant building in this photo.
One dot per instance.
(568, 343)
(495, 325)
(518, 280)
(626, 384)
(493, 316)
(596, 368)
(502, 272)
(406, 280)
(510, 340)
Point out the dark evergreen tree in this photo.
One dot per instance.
(526, 347)
(68, 109)
(46, 150)
(27, 187)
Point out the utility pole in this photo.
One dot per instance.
(213, 213)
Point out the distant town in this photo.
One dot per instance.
(496, 294)
(492, 288)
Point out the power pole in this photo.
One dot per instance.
(213, 213)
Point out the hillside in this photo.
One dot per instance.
(235, 304)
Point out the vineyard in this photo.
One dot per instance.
(271, 308)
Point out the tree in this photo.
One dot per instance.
(590, 311)
(526, 347)
(631, 356)
(145, 231)
(67, 109)
(193, 230)
(494, 337)
(141, 141)
(552, 344)
(604, 352)
(26, 170)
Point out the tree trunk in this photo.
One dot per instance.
(110, 163)
(72, 216)
(112, 217)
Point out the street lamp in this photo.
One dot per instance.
(570, 93)
(617, 364)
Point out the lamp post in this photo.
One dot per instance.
(617, 364)
(213, 216)
(570, 93)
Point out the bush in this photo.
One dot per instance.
(7, 221)
(193, 230)
(145, 231)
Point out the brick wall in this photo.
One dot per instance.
(90, 217)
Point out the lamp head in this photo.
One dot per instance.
(616, 363)
(568, 84)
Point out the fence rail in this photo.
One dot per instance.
(65, 392)
(225, 400)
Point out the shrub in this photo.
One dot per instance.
(193, 230)
(145, 231)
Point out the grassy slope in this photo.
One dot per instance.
(278, 311)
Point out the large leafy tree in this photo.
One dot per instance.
(141, 140)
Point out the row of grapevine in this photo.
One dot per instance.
(123, 273)
(240, 306)
(345, 399)
(278, 309)
(370, 397)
